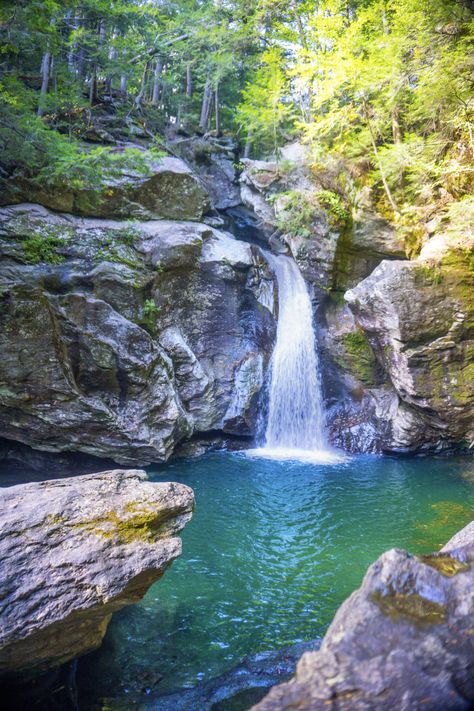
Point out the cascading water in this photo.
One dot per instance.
(295, 415)
(295, 409)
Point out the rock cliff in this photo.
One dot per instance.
(119, 339)
(73, 552)
(402, 641)
(418, 317)
(124, 337)
(166, 188)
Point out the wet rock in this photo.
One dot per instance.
(121, 339)
(168, 190)
(73, 552)
(402, 641)
(239, 687)
(249, 382)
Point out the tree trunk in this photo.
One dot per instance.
(109, 77)
(141, 93)
(157, 83)
(377, 158)
(123, 85)
(71, 55)
(189, 80)
(396, 128)
(81, 59)
(45, 72)
(206, 105)
(248, 144)
(93, 86)
(218, 111)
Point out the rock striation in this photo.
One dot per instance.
(73, 552)
(402, 641)
(120, 339)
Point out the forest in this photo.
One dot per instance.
(383, 85)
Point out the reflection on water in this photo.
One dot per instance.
(274, 547)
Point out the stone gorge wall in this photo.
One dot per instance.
(125, 334)
(121, 338)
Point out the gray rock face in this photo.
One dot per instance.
(213, 160)
(402, 641)
(169, 190)
(73, 552)
(121, 339)
(419, 320)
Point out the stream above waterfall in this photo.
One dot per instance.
(273, 549)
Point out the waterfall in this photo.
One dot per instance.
(295, 427)
(295, 411)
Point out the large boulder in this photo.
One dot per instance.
(73, 552)
(402, 641)
(418, 316)
(120, 339)
(166, 189)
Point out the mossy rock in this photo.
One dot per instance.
(410, 607)
(359, 358)
(444, 564)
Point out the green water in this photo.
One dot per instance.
(271, 552)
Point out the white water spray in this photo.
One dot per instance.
(296, 415)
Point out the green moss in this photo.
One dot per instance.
(455, 272)
(118, 255)
(359, 358)
(428, 273)
(127, 234)
(136, 524)
(43, 247)
(410, 607)
(444, 563)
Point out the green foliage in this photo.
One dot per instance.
(296, 212)
(385, 85)
(43, 247)
(150, 308)
(265, 111)
(151, 311)
(86, 170)
(339, 216)
(460, 218)
(394, 84)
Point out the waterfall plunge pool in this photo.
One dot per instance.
(273, 549)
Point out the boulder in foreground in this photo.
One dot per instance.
(73, 552)
(404, 640)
